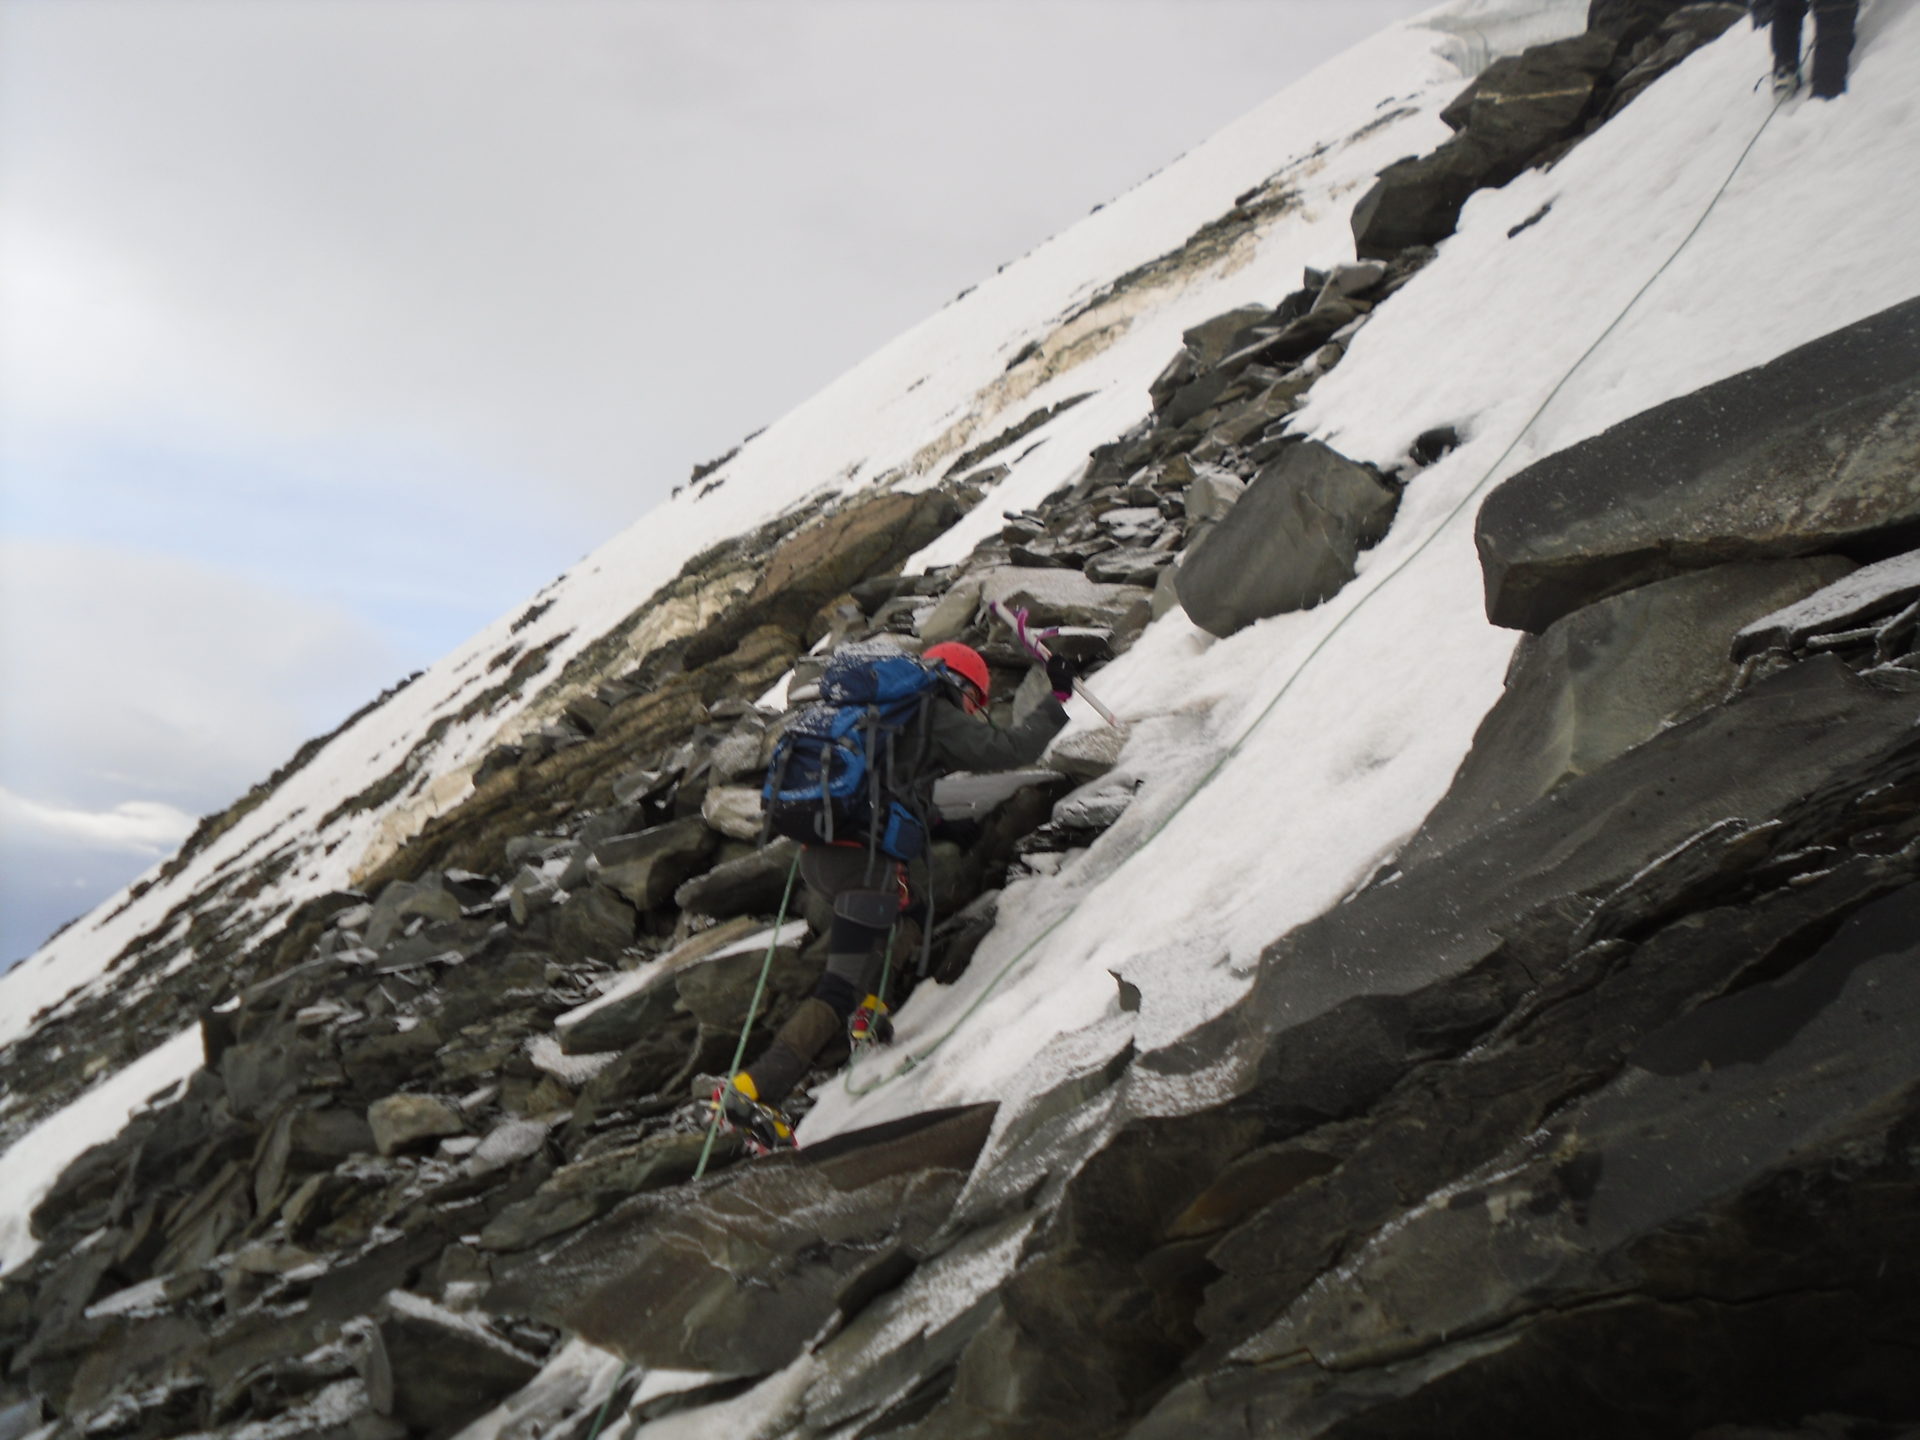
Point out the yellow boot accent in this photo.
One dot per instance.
(743, 1082)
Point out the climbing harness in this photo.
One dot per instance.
(753, 1013)
(911, 1062)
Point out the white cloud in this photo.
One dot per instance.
(138, 680)
(582, 243)
(145, 827)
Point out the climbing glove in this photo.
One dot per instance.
(1060, 675)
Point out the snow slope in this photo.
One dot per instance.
(1281, 767)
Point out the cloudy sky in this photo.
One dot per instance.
(331, 329)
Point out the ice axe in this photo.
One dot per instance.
(1036, 647)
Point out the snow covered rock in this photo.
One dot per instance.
(1876, 598)
(1813, 451)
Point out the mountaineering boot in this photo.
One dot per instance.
(764, 1128)
(791, 1054)
(869, 1024)
(1786, 82)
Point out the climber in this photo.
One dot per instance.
(867, 888)
(1832, 43)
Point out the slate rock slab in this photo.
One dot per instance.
(1289, 543)
(1604, 679)
(1815, 728)
(404, 1122)
(1735, 1203)
(1816, 450)
(750, 885)
(644, 1000)
(646, 867)
(739, 1274)
(445, 1369)
(1862, 599)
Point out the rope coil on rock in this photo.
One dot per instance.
(911, 1062)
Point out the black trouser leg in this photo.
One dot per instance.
(862, 916)
(1832, 45)
(1787, 15)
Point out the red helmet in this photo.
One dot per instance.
(964, 661)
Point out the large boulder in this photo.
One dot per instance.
(1607, 678)
(1289, 543)
(1520, 104)
(1816, 450)
(718, 989)
(739, 1275)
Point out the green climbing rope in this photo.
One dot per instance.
(753, 1013)
(607, 1405)
(1228, 755)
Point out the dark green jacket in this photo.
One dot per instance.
(959, 741)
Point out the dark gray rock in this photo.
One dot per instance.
(1678, 36)
(446, 1369)
(577, 1193)
(595, 923)
(404, 1122)
(1813, 451)
(647, 867)
(1417, 201)
(1211, 341)
(1604, 679)
(764, 1255)
(1128, 566)
(646, 1000)
(1624, 22)
(404, 900)
(1289, 543)
(1865, 600)
(1759, 1132)
(318, 1139)
(751, 885)
(1522, 103)
(1518, 108)
(380, 1062)
(718, 988)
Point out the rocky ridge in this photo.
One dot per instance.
(445, 1121)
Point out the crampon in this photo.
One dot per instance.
(763, 1128)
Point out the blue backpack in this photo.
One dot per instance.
(844, 769)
